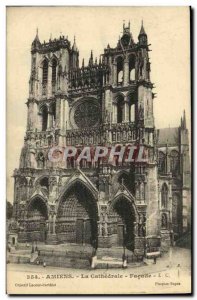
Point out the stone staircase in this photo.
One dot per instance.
(65, 256)
(113, 258)
(19, 256)
(73, 256)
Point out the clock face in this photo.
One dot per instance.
(87, 114)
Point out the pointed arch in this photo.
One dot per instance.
(132, 59)
(43, 182)
(132, 100)
(39, 203)
(45, 69)
(162, 162)
(125, 195)
(79, 179)
(122, 217)
(174, 162)
(120, 66)
(52, 111)
(120, 108)
(77, 214)
(45, 66)
(43, 111)
(37, 215)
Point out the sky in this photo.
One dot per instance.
(94, 27)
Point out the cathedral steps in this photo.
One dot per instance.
(19, 256)
(117, 253)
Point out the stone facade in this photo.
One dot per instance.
(108, 102)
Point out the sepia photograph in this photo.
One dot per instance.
(99, 197)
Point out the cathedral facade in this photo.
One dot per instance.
(142, 206)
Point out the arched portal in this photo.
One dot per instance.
(122, 220)
(77, 216)
(37, 216)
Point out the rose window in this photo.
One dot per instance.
(87, 114)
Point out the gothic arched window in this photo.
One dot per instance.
(53, 114)
(174, 162)
(44, 118)
(120, 70)
(44, 75)
(132, 113)
(54, 71)
(120, 77)
(45, 72)
(132, 68)
(164, 196)
(120, 109)
(132, 99)
(162, 162)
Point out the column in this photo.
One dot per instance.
(48, 118)
(49, 83)
(54, 219)
(126, 110)
(35, 115)
(126, 72)
(114, 112)
(61, 121)
(58, 112)
(29, 112)
(39, 121)
(39, 90)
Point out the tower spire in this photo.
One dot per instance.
(142, 30)
(142, 37)
(91, 58)
(184, 120)
(36, 42)
(74, 47)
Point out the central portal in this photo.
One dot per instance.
(83, 231)
(77, 217)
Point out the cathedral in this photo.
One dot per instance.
(143, 207)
